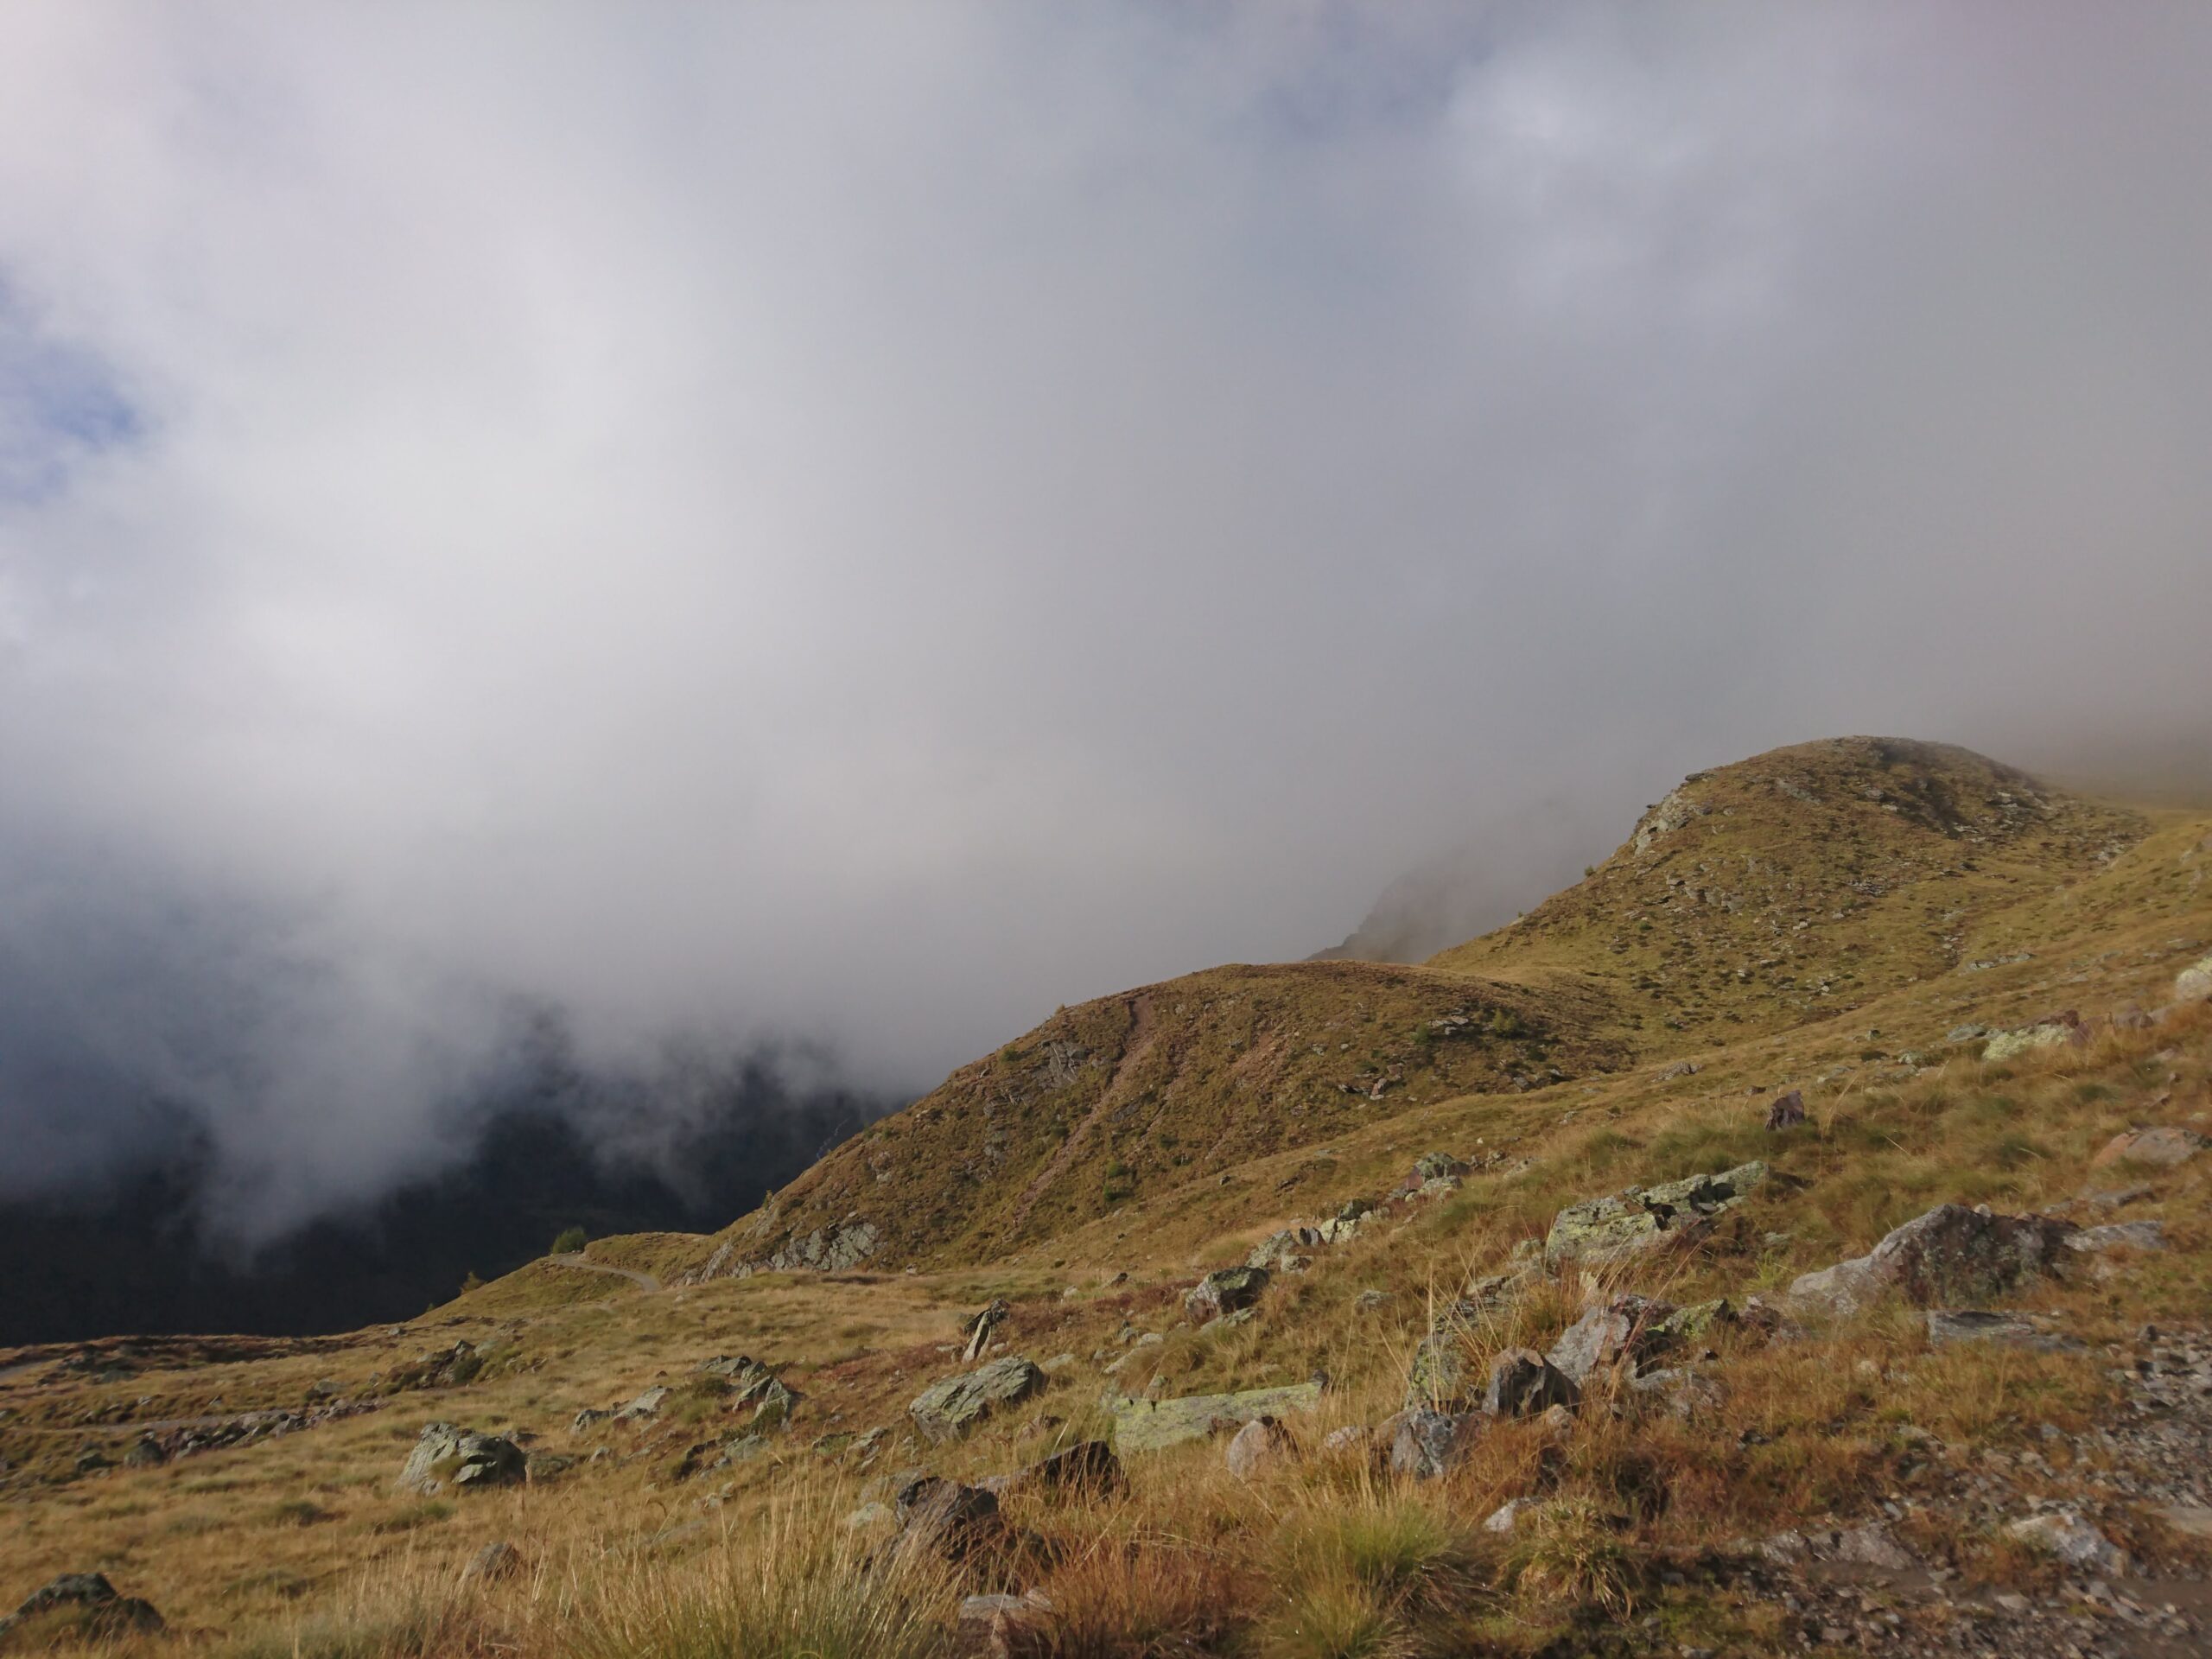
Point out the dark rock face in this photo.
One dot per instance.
(945, 1411)
(949, 1521)
(103, 1613)
(1623, 1329)
(1951, 1255)
(979, 1331)
(1523, 1383)
(1089, 1467)
(1787, 1112)
(1225, 1291)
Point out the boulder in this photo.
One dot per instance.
(1148, 1425)
(2052, 1031)
(1352, 1440)
(2164, 1145)
(546, 1466)
(1787, 1112)
(949, 1520)
(1872, 1545)
(1636, 1219)
(102, 1614)
(1623, 1329)
(1681, 1391)
(1426, 1444)
(1434, 1166)
(1493, 1292)
(1509, 1515)
(1952, 1254)
(945, 1411)
(2073, 1541)
(1224, 1290)
(1261, 1446)
(2193, 983)
(1004, 1626)
(1522, 1383)
(589, 1418)
(445, 1455)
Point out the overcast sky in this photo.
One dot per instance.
(870, 522)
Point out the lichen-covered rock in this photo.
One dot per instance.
(446, 1456)
(1148, 1425)
(1440, 1379)
(646, 1406)
(2056, 1031)
(945, 1411)
(1948, 1326)
(1683, 1392)
(1287, 1251)
(1642, 1218)
(2118, 1236)
(1952, 1255)
(1522, 1383)
(2073, 1541)
(1224, 1290)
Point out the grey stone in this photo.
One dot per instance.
(2118, 1236)
(2072, 1541)
(1683, 1392)
(1089, 1467)
(1787, 1111)
(499, 1559)
(2164, 1146)
(980, 1328)
(1261, 1446)
(1522, 1383)
(1440, 1379)
(1509, 1515)
(1949, 1326)
(646, 1405)
(1642, 1218)
(1426, 1444)
(1001, 1626)
(2193, 983)
(1224, 1290)
(1287, 1251)
(105, 1615)
(445, 1455)
(1872, 1545)
(945, 1411)
(1607, 1334)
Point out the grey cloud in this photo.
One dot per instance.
(869, 523)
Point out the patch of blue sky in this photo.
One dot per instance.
(61, 404)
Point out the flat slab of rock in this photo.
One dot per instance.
(2163, 1147)
(2073, 1540)
(1948, 1326)
(945, 1411)
(2118, 1236)
(1642, 1218)
(1148, 1425)
(1951, 1255)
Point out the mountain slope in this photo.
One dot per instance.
(1163, 1085)
(1802, 882)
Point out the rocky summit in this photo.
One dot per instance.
(1792, 1238)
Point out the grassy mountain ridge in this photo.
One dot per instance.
(1781, 890)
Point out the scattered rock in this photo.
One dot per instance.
(1872, 1545)
(1523, 1383)
(1684, 1392)
(1148, 1425)
(1286, 1251)
(1089, 1468)
(1509, 1515)
(1224, 1290)
(1951, 1255)
(2164, 1145)
(496, 1560)
(1623, 1329)
(1786, 1112)
(644, 1408)
(1261, 1445)
(2052, 1031)
(2073, 1540)
(589, 1418)
(950, 1521)
(1641, 1218)
(1368, 1300)
(1439, 1378)
(1966, 1033)
(446, 1455)
(1352, 1440)
(945, 1411)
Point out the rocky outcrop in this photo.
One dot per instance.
(950, 1522)
(1952, 1255)
(1423, 1445)
(1623, 1329)
(1787, 1112)
(1287, 1251)
(1089, 1468)
(1640, 1218)
(752, 1384)
(2073, 1541)
(1228, 1290)
(446, 1456)
(1148, 1425)
(945, 1411)
(2052, 1031)
(979, 1328)
(2193, 983)
(838, 1247)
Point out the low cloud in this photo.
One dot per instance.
(860, 525)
